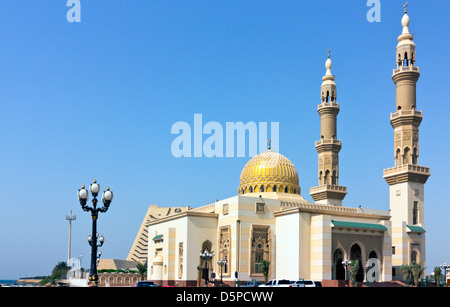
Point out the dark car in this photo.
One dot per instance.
(146, 283)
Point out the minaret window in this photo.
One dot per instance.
(333, 178)
(325, 179)
(415, 213)
(406, 156)
(414, 156)
(397, 157)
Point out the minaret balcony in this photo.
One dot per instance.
(328, 187)
(328, 145)
(406, 68)
(412, 112)
(328, 142)
(406, 173)
(327, 192)
(328, 105)
(406, 117)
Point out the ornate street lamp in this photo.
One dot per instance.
(221, 262)
(83, 197)
(206, 256)
(445, 267)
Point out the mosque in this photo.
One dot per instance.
(269, 220)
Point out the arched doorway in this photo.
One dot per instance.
(355, 254)
(206, 263)
(339, 270)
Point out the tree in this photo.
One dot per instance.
(60, 269)
(406, 271)
(437, 274)
(142, 269)
(265, 266)
(417, 271)
(353, 270)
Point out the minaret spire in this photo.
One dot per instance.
(328, 191)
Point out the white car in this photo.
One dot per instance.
(304, 283)
(278, 283)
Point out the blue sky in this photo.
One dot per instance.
(97, 100)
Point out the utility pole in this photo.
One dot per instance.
(70, 218)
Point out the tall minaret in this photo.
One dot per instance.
(328, 191)
(406, 180)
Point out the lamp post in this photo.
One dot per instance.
(221, 262)
(445, 266)
(83, 197)
(70, 218)
(346, 263)
(206, 256)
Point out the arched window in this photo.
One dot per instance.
(398, 157)
(251, 189)
(325, 178)
(285, 189)
(333, 178)
(262, 188)
(414, 156)
(406, 155)
(274, 189)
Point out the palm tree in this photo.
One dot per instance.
(265, 265)
(142, 269)
(437, 275)
(406, 271)
(353, 270)
(417, 271)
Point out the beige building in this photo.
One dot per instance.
(269, 219)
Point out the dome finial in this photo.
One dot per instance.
(268, 143)
(405, 5)
(328, 64)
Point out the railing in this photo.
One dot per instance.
(328, 104)
(407, 168)
(329, 187)
(315, 206)
(406, 68)
(328, 141)
(406, 112)
(208, 209)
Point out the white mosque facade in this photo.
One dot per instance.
(269, 220)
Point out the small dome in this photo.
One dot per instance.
(269, 172)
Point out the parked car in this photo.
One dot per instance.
(146, 283)
(278, 283)
(306, 283)
(252, 283)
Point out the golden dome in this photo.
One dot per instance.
(269, 172)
